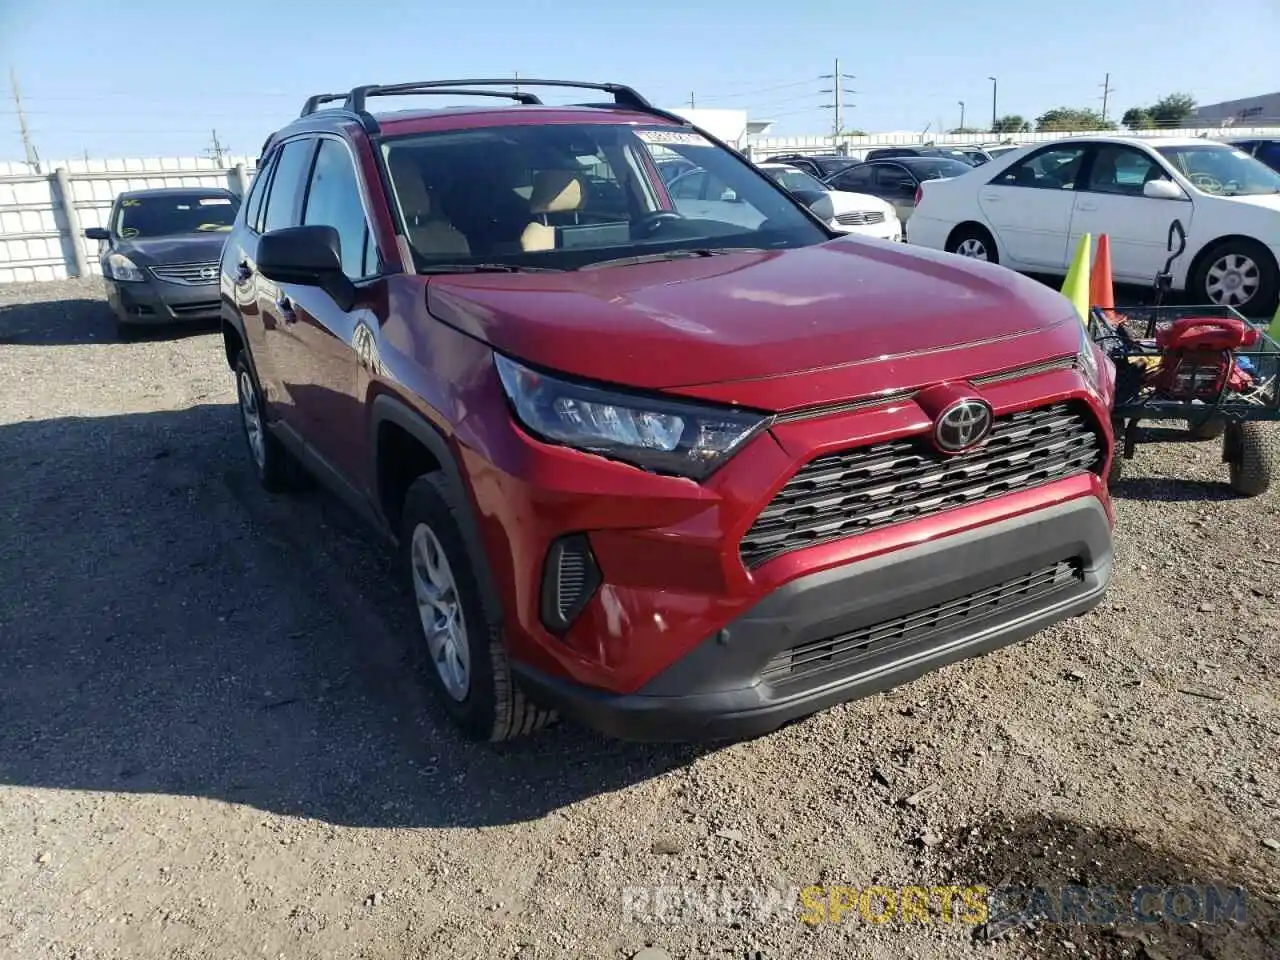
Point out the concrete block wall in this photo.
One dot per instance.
(36, 241)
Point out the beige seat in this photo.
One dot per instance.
(554, 191)
(429, 233)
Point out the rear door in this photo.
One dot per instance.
(1111, 201)
(897, 184)
(1030, 205)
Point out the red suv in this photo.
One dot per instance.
(678, 471)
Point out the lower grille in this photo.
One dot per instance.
(841, 494)
(188, 274)
(860, 218)
(966, 614)
(199, 306)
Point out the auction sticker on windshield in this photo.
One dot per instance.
(666, 138)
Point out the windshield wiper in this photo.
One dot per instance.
(682, 254)
(484, 268)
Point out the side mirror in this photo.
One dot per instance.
(309, 256)
(816, 200)
(1162, 190)
(97, 233)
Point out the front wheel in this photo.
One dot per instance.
(460, 649)
(974, 242)
(1240, 274)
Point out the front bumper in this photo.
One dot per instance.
(153, 302)
(858, 629)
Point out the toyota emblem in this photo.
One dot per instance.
(207, 273)
(962, 425)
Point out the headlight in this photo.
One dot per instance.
(120, 267)
(1088, 356)
(653, 433)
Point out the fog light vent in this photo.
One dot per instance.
(569, 578)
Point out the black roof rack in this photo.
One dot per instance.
(354, 102)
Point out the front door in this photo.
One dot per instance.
(1030, 205)
(275, 364)
(1111, 201)
(313, 346)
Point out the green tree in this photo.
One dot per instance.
(966, 130)
(1072, 118)
(1137, 118)
(1173, 110)
(1012, 124)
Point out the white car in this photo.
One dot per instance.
(696, 193)
(1029, 208)
(844, 212)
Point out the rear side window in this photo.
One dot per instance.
(258, 190)
(854, 180)
(286, 185)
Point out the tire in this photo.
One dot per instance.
(973, 241)
(1252, 452)
(486, 704)
(276, 469)
(1254, 269)
(1210, 429)
(1116, 471)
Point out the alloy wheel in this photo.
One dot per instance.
(440, 610)
(973, 248)
(252, 418)
(1232, 280)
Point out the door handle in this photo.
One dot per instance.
(990, 198)
(243, 271)
(1087, 205)
(285, 305)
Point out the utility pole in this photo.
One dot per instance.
(961, 102)
(33, 158)
(838, 91)
(516, 74)
(1106, 96)
(216, 149)
(691, 101)
(994, 118)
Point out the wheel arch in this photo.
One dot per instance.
(393, 422)
(233, 338)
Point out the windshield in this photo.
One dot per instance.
(168, 215)
(795, 179)
(563, 196)
(833, 165)
(931, 168)
(1222, 170)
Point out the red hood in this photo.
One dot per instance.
(898, 313)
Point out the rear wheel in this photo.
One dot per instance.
(1208, 429)
(973, 241)
(460, 652)
(274, 466)
(1252, 452)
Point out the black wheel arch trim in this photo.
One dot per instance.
(1202, 257)
(389, 409)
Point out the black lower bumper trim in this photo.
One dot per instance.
(718, 690)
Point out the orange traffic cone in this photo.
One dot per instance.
(1101, 287)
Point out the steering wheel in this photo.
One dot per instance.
(1206, 182)
(651, 223)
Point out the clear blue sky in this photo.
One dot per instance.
(152, 77)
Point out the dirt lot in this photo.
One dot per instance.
(209, 746)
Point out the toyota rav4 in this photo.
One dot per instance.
(673, 475)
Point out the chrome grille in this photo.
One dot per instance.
(860, 218)
(190, 274)
(923, 629)
(852, 491)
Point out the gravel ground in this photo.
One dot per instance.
(209, 746)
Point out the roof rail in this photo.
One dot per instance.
(623, 95)
(402, 89)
